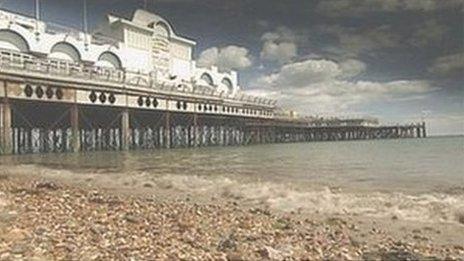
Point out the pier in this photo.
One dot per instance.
(67, 91)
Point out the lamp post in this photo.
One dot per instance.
(37, 18)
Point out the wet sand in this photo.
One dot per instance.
(47, 216)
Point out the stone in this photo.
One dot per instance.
(14, 235)
(97, 229)
(47, 185)
(40, 230)
(148, 185)
(270, 253)
(460, 217)
(131, 218)
(227, 243)
(18, 249)
(7, 216)
(234, 256)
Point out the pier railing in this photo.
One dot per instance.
(25, 63)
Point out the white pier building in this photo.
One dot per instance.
(141, 53)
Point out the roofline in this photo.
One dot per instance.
(173, 36)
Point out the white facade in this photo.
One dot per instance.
(145, 44)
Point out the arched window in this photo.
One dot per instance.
(162, 29)
(227, 83)
(65, 51)
(109, 60)
(12, 41)
(206, 79)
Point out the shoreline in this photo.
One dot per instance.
(49, 218)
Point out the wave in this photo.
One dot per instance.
(288, 197)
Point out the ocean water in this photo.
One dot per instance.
(413, 179)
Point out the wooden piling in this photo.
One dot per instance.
(75, 141)
(167, 130)
(125, 129)
(6, 139)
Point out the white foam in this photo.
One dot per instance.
(433, 207)
(425, 207)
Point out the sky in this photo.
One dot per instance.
(398, 60)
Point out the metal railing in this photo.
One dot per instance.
(48, 66)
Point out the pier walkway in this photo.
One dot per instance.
(48, 105)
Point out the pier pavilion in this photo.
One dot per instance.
(133, 84)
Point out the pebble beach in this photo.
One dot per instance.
(48, 220)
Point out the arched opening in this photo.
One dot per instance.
(162, 29)
(206, 80)
(65, 51)
(109, 60)
(12, 41)
(227, 85)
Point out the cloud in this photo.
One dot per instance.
(352, 67)
(279, 45)
(311, 71)
(300, 74)
(226, 58)
(323, 87)
(359, 7)
(429, 33)
(447, 65)
(353, 41)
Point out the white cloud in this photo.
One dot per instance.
(226, 58)
(321, 87)
(279, 45)
(449, 64)
(278, 52)
(352, 67)
(311, 71)
(300, 74)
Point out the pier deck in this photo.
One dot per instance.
(46, 106)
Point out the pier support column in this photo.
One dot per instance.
(167, 130)
(424, 131)
(195, 130)
(125, 129)
(6, 139)
(75, 133)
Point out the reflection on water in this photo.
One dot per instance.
(411, 165)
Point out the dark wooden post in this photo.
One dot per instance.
(75, 140)
(424, 131)
(195, 129)
(6, 139)
(167, 130)
(125, 129)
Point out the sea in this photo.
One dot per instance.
(412, 179)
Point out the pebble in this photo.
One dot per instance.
(18, 249)
(70, 223)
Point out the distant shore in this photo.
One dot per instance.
(44, 219)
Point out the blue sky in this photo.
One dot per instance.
(399, 60)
